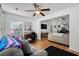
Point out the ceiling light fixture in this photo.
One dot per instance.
(37, 12)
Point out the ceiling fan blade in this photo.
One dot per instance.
(35, 5)
(34, 14)
(42, 14)
(29, 10)
(45, 9)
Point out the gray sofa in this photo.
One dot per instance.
(26, 49)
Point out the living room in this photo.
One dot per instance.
(33, 27)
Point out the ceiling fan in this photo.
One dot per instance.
(38, 10)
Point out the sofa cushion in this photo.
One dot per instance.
(26, 47)
(33, 49)
(12, 52)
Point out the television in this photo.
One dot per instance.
(43, 26)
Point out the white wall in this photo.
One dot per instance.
(2, 25)
(0, 21)
(74, 28)
(74, 25)
(36, 27)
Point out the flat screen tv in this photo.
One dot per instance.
(43, 26)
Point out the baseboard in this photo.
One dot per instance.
(73, 49)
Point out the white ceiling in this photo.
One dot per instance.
(54, 7)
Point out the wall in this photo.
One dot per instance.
(36, 25)
(74, 28)
(2, 25)
(0, 21)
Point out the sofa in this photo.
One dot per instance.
(26, 50)
(59, 38)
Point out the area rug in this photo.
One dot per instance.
(53, 51)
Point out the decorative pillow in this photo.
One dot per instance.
(26, 48)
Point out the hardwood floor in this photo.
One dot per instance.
(44, 43)
(41, 44)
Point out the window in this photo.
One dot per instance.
(16, 26)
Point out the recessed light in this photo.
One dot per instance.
(16, 9)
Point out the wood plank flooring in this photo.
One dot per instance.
(44, 43)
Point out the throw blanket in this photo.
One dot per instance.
(3, 43)
(7, 41)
